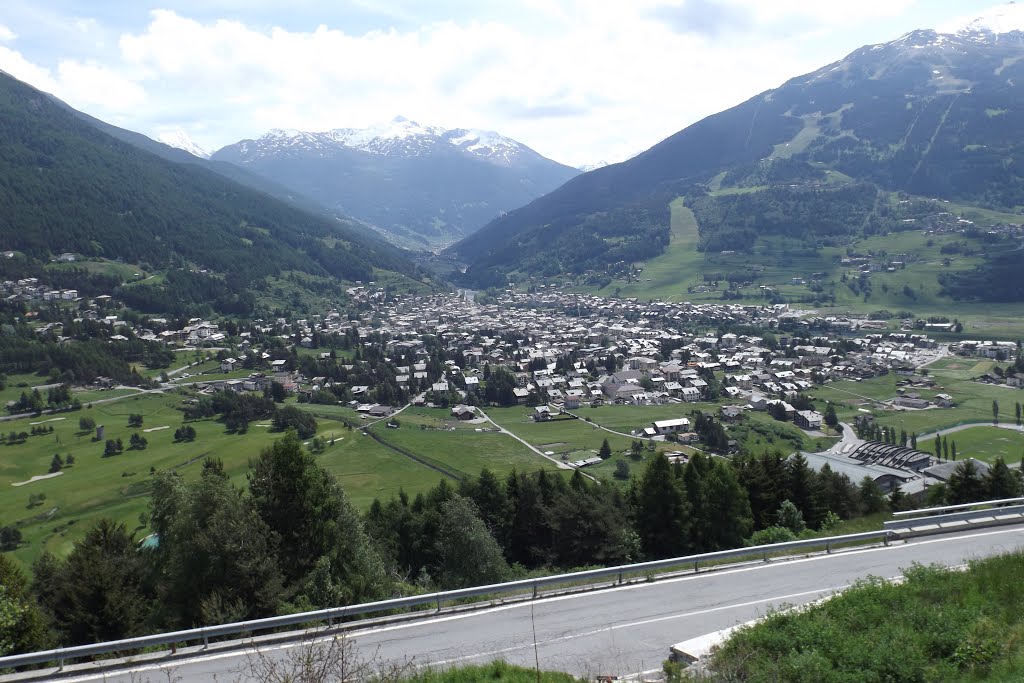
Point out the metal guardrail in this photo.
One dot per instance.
(961, 506)
(938, 520)
(529, 587)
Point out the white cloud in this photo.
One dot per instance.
(613, 82)
(6, 34)
(578, 80)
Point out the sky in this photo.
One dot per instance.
(580, 81)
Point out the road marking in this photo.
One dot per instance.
(501, 608)
(642, 622)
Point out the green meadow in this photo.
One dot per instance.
(52, 512)
(983, 443)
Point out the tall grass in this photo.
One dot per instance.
(497, 671)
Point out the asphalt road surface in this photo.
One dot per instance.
(617, 631)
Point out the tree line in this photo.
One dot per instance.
(291, 541)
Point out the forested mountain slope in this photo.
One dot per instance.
(66, 186)
(928, 114)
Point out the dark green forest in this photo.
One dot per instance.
(816, 215)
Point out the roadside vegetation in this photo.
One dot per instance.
(936, 625)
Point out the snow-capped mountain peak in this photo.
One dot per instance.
(586, 168)
(400, 137)
(998, 20)
(180, 140)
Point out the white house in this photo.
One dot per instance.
(675, 426)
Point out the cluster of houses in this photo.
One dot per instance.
(30, 290)
(534, 334)
(995, 350)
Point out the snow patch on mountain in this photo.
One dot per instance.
(399, 137)
(179, 139)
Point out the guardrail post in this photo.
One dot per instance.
(206, 641)
(765, 555)
(828, 548)
(60, 661)
(695, 569)
(438, 603)
(534, 590)
(885, 540)
(620, 578)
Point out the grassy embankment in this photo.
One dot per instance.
(938, 625)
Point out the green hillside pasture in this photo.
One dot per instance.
(983, 443)
(125, 271)
(761, 433)
(116, 486)
(665, 276)
(778, 260)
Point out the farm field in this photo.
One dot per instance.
(983, 443)
(458, 447)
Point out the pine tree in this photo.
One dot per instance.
(662, 514)
(312, 517)
(965, 484)
(606, 450)
(1001, 482)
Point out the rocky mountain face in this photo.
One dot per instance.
(932, 114)
(421, 185)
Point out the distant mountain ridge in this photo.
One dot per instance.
(422, 185)
(400, 137)
(932, 114)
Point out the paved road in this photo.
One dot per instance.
(622, 630)
(848, 441)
